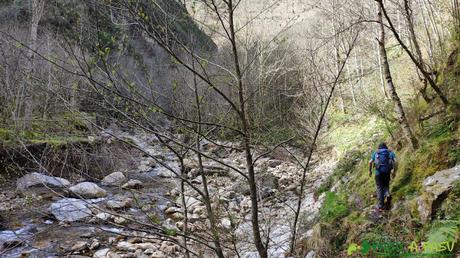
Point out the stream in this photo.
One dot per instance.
(121, 222)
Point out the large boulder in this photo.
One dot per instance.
(435, 190)
(40, 180)
(114, 179)
(70, 209)
(87, 190)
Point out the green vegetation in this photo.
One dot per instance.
(345, 165)
(355, 136)
(444, 231)
(334, 207)
(64, 129)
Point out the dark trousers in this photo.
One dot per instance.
(382, 181)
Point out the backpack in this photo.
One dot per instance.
(383, 162)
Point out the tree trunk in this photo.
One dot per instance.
(426, 74)
(37, 11)
(417, 49)
(337, 59)
(261, 248)
(391, 88)
(207, 199)
(350, 84)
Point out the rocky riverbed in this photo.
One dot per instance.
(139, 212)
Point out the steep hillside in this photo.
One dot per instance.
(72, 29)
(425, 191)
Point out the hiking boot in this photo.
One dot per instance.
(379, 209)
(388, 203)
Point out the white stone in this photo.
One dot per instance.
(87, 190)
(104, 216)
(226, 223)
(120, 220)
(126, 246)
(114, 179)
(106, 253)
(119, 203)
(158, 254)
(133, 184)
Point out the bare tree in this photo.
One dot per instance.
(391, 88)
(37, 9)
(426, 74)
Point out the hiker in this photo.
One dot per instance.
(384, 162)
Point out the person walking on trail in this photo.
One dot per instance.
(383, 162)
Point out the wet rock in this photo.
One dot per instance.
(126, 246)
(240, 186)
(180, 225)
(171, 210)
(114, 179)
(133, 184)
(103, 216)
(168, 247)
(94, 244)
(88, 190)
(119, 202)
(200, 210)
(273, 163)
(435, 190)
(197, 181)
(143, 168)
(40, 180)
(215, 170)
(226, 223)
(176, 216)
(149, 162)
(146, 207)
(145, 246)
(266, 192)
(120, 220)
(158, 254)
(190, 202)
(78, 247)
(70, 209)
(140, 254)
(106, 253)
(9, 239)
(161, 171)
(190, 164)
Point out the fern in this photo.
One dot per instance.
(444, 231)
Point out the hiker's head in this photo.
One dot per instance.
(383, 146)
